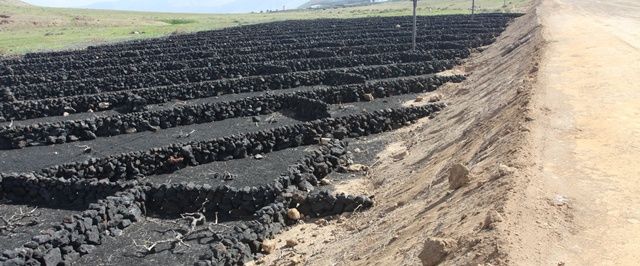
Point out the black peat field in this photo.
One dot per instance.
(194, 149)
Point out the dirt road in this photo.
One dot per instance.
(585, 195)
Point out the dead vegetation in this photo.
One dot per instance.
(189, 225)
(18, 219)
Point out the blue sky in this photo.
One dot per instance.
(199, 6)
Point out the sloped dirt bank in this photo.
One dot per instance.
(484, 128)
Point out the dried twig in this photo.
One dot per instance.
(86, 148)
(193, 218)
(182, 135)
(15, 221)
(150, 246)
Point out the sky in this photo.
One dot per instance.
(197, 6)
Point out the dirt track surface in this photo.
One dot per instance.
(584, 188)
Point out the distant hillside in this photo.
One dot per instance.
(13, 3)
(236, 6)
(28, 28)
(337, 3)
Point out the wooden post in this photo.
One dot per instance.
(473, 6)
(415, 25)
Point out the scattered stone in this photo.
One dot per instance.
(293, 214)
(256, 119)
(419, 99)
(131, 130)
(435, 98)
(493, 217)
(228, 176)
(85, 249)
(87, 149)
(559, 200)
(291, 243)
(504, 170)
(173, 160)
(304, 185)
(104, 105)
(268, 246)
(400, 156)
(357, 150)
(90, 135)
(435, 250)
(325, 141)
(368, 97)
(322, 222)
(258, 157)
(53, 257)
(357, 168)
(458, 176)
(325, 182)
(65, 114)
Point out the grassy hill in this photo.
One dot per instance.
(13, 3)
(26, 28)
(329, 3)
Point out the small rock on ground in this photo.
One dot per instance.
(504, 170)
(291, 243)
(357, 168)
(493, 217)
(294, 214)
(322, 222)
(368, 97)
(435, 250)
(458, 176)
(268, 246)
(435, 98)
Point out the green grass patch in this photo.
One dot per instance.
(178, 21)
(36, 29)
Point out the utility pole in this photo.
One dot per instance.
(473, 6)
(415, 25)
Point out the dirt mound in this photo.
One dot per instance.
(483, 128)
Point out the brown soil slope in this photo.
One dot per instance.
(482, 128)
